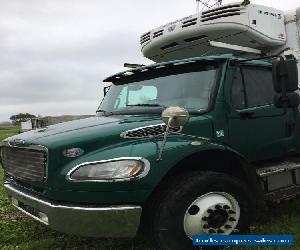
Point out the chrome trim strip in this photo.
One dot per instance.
(141, 175)
(35, 147)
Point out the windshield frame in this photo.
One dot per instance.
(220, 64)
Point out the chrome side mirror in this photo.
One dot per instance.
(175, 116)
(172, 117)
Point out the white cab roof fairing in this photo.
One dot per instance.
(253, 26)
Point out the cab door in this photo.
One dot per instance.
(258, 129)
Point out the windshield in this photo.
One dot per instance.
(191, 89)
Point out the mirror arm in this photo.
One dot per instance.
(165, 139)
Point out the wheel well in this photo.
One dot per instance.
(213, 160)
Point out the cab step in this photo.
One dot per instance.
(283, 166)
(280, 180)
(283, 194)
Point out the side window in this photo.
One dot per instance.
(259, 86)
(252, 87)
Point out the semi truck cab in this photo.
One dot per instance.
(90, 176)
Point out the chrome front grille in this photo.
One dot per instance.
(25, 163)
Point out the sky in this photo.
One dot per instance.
(56, 53)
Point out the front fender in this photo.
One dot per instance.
(177, 148)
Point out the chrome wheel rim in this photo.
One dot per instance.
(212, 213)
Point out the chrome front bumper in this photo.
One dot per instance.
(89, 221)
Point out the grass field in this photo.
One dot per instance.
(19, 232)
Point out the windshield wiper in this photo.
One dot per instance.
(145, 105)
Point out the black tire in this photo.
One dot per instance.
(164, 213)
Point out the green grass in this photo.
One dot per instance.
(7, 131)
(20, 232)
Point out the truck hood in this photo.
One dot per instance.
(84, 130)
(98, 136)
(96, 133)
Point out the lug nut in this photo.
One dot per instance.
(232, 219)
(210, 211)
(231, 212)
(218, 207)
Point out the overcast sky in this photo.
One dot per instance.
(54, 54)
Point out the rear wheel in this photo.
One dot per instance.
(198, 203)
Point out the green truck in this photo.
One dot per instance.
(192, 146)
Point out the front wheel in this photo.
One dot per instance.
(199, 203)
(212, 213)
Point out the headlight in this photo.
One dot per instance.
(121, 169)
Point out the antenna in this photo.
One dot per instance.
(207, 4)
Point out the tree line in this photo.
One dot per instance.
(21, 117)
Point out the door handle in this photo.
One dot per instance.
(246, 114)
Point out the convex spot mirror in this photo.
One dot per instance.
(175, 116)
